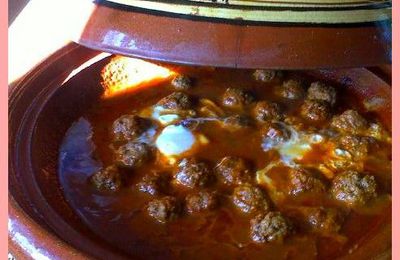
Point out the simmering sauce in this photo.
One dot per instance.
(229, 164)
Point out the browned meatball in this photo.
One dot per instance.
(176, 101)
(315, 110)
(290, 89)
(108, 179)
(236, 98)
(128, 127)
(350, 121)
(182, 82)
(266, 111)
(353, 189)
(320, 220)
(236, 122)
(250, 199)
(153, 184)
(133, 154)
(322, 92)
(233, 170)
(164, 209)
(266, 75)
(269, 227)
(324, 220)
(191, 173)
(301, 181)
(274, 134)
(357, 146)
(201, 201)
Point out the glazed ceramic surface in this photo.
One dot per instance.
(244, 34)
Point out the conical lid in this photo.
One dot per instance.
(291, 34)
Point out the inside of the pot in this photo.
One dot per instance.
(78, 95)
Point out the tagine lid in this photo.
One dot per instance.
(287, 34)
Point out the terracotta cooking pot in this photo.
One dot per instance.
(42, 106)
(301, 34)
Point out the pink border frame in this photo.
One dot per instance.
(4, 127)
(395, 130)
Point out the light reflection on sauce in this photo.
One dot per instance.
(76, 150)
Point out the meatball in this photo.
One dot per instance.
(322, 92)
(357, 146)
(128, 127)
(108, 179)
(133, 154)
(290, 89)
(266, 111)
(274, 134)
(236, 98)
(315, 110)
(250, 199)
(353, 189)
(182, 82)
(191, 173)
(350, 121)
(233, 170)
(376, 131)
(269, 227)
(153, 184)
(176, 101)
(324, 221)
(201, 201)
(301, 181)
(164, 209)
(236, 122)
(266, 75)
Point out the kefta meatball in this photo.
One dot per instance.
(266, 111)
(236, 122)
(250, 199)
(154, 184)
(128, 127)
(108, 179)
(133, 154)
(353, 189)
(236, 98)
(274, 134)
(176, 101)
(350, 121)
(266, 75)
(269, 227)
(201, 201)
(182, 82)
(357, 146)
(164, 209)
(233, 171)
(290, 89)
(321, 220)
(324, 220)
(315, 110)
(191, 173)
(301, 181)
(322, 92)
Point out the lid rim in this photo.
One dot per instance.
(209, 43)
